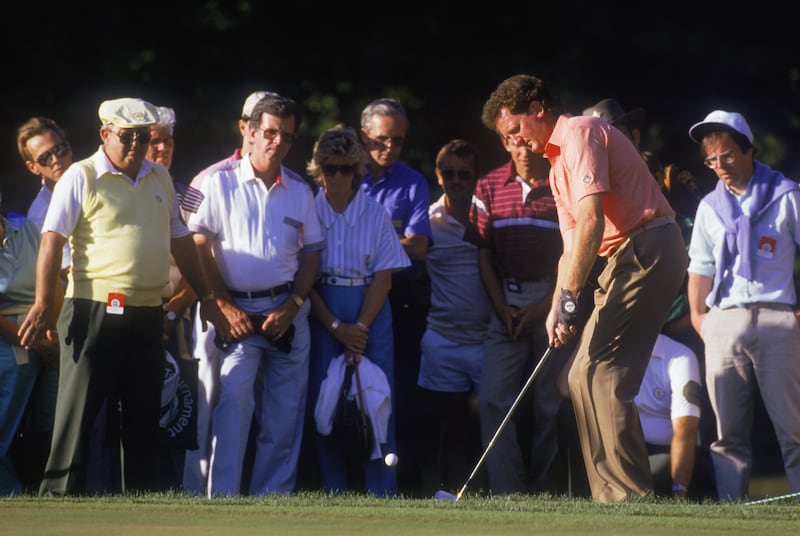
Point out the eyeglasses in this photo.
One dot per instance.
(463, 174)
(724, 158)
(345, 169)
(272, 133)
(387, 140)
(127, 136)
(46, 158)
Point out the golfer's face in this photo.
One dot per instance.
(520, 129)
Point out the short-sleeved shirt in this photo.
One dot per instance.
(20, 247)
(359, 241)
(404, 193)
(671, 388)
(257, 233)
(38, 210)
(772, 282)
(519, 222)
(119, 229)
(589, 156)
(460, 307)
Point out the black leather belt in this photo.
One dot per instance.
(273, 292)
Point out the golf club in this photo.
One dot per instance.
(447, 496)
(770, 499)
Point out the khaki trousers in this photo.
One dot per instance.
(632, 301)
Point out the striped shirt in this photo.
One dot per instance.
(360, 241)
(519, 222)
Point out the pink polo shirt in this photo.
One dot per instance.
(589, 156)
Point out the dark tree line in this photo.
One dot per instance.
(203, 57)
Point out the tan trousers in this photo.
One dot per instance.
(632, 301)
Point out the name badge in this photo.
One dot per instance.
(115, 304)
(766, 247)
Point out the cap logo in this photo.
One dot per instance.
(138, 116)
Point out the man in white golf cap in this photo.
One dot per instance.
(120, 213)
(742, 297)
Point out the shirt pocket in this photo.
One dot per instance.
(293, 234)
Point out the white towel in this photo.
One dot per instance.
(377, 398)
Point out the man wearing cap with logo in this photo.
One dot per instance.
(742, 298)
(609, 205)
(260, 239)
(121, 216)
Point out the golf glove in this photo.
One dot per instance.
(567, 308)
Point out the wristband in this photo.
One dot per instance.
(298, 301)
(678, 487)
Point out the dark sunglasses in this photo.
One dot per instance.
(345, 169)
(463, 174)
(126, 136)
(46, 158)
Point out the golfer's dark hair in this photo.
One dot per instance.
(516, 93)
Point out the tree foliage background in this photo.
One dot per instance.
(677, 60)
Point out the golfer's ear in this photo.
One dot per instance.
(535, 108)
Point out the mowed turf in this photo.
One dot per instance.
(319, 514)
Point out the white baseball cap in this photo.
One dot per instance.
(253, 99)
(720, 120)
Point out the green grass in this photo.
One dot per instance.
(319, 514)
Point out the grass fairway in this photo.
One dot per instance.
(317, 514)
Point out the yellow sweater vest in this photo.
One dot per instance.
(122, 241)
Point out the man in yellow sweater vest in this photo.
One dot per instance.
(121, 217)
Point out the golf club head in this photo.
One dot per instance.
(443, 495)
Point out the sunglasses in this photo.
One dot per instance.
(463, 174)
(46, 158)
(126, 137)
(330, 170)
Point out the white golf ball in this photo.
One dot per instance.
(390, 459)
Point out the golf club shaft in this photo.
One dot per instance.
(506, 419)
(770, 499)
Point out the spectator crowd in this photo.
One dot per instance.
(639, 311)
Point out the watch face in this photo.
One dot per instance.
(171, 315)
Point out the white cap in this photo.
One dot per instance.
(128, 113)
(253, 99)
(720, 120)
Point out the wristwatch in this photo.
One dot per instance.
(171, 316)
(335, 324)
